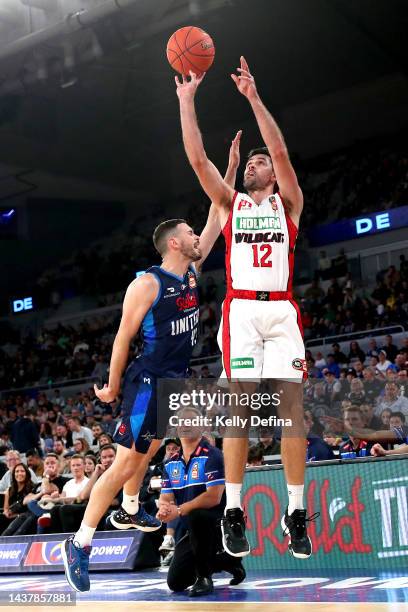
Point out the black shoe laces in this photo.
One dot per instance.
(235, 520)
(296, 523)
(121, 514)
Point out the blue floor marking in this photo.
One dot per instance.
(266, 586)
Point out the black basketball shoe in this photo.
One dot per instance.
(143, 521)
(234, 539)
(294, 526)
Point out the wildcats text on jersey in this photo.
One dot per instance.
(266, 237)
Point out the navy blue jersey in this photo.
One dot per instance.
(170, 327)
(204, 469)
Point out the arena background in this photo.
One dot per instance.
(91, 159)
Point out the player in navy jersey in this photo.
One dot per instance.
(163, 302)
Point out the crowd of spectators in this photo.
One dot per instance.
(343, 308)
(367, 177)
(69, 352)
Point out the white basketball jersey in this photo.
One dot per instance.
(260, 241)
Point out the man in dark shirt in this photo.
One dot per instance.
(317, 449)
(372, 386)
(267, 445)
(24, 434)
(390, 348)
(193, 490)
(339, 356)
(369, 419)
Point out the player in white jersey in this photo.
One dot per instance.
(261, 329)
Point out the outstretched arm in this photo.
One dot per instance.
(273, 138)
(378, 451)
(212, 228)
(211, 180)
(139, 297)
(363, 433)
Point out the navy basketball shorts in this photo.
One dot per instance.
(139, 410)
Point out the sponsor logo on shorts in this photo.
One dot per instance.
(299, 364)
(242, 362)
(258, 223)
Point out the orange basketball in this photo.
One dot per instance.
(190, 48)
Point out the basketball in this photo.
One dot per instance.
(190, 48)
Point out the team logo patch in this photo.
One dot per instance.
(272, 200)
(194, 471)
(192, 283)
(242, 362)
(299, 364)
(175, 472)
(122, 429)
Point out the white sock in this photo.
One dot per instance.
(295, 493)
(233, 493)
(130, 503)
(84, 535)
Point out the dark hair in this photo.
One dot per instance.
(92, 457)
(254, 454)
(353, 408)
(399, 415)
(259, 151)
(85, 444)
(107, 447)
(52, 455)
(107, 435)
(46, 430)
(28, 484)
(162, 232)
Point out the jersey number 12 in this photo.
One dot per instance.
(262, 256)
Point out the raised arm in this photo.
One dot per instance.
(213, 227)
(273, 139)
(139, 297)
(210, 179)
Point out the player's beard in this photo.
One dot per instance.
(255, 183)
(194, 254)
(252, 183)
